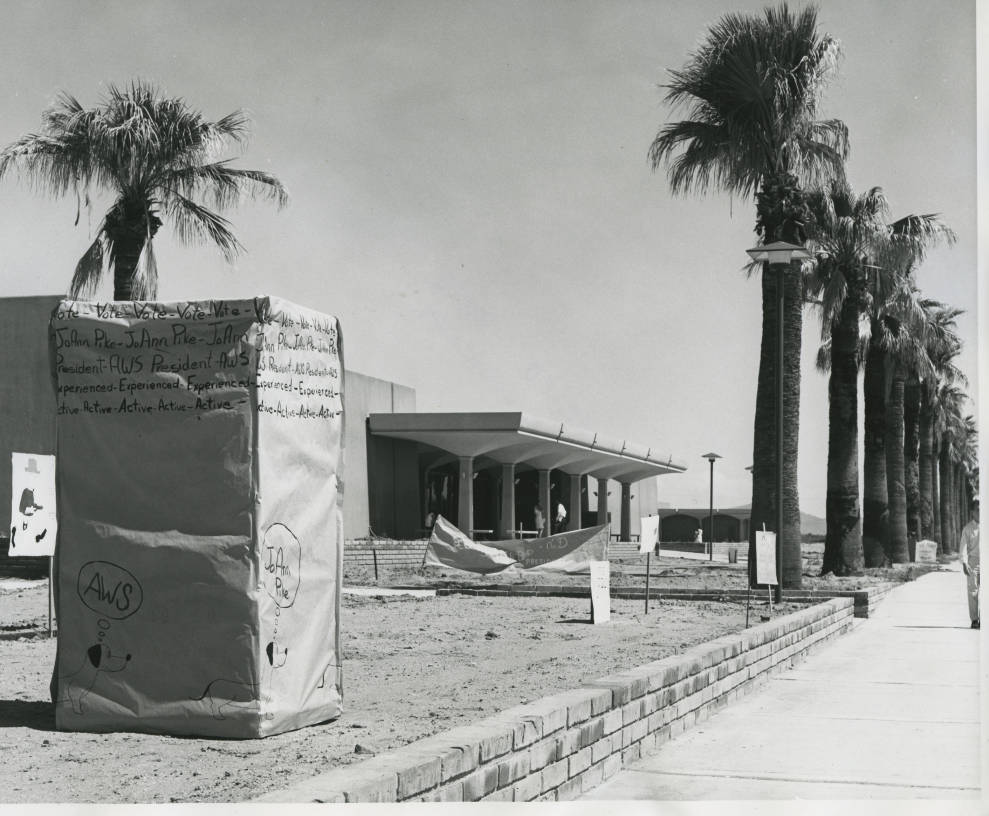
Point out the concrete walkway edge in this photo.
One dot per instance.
(890, 711)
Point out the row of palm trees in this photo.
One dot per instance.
(752, 90)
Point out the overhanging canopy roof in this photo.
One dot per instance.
(518, 438)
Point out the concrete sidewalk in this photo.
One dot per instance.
(889, 711)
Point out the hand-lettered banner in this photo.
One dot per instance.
(564, 552)
(200, 544)
(448, 547)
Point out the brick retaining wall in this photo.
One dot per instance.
(359, 555)
(865, 600)
(560, 746)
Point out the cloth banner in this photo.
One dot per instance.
(564, 552)
(33, 520)
(448, 547)
(648, 534)
(199, 482)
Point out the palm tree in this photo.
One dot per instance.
(851, 236)
(948, 425)
(963, 453)
(847, 231)
(890, 292)
(155, 156)
(752, 90)
(943, 345)
(907, 357)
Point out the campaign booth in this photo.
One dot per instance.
(200, 540)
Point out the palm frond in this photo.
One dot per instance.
(195, 223)
(823, 360)
(225, 185)
(145, 286)
(88, 270)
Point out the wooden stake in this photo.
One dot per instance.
(648, 556)
(51, 574)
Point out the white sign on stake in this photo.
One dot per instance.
(765, 557)
(648, 534)
(600, 591)
(926, 552)
(33, 520)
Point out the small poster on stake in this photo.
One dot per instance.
(600, 591)
(33, 520)
(649, 535)
(648, 542)
(926, 552)
(765, 557)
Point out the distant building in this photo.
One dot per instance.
(680, 523)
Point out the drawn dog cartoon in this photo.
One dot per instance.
(226, 695)
(277, 655)
(98, 659)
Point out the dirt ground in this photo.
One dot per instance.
(412, 667)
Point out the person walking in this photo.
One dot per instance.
(968, 555)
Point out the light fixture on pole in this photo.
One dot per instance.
(710, 518)
(779, 254)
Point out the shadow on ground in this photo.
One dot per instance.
(27, 714)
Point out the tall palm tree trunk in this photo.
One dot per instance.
(875, 516)
(936, 530)
(926, 466)
(947, 489)
(764, 496)
(898, 552)
(911, 460)
(130, 225)
(843, 541)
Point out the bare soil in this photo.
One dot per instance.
(412, 667)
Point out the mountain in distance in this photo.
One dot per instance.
(812, 525)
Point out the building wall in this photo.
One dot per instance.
(379, 473)
(27, 397)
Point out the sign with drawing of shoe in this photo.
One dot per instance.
(33, 519)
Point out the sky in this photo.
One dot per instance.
(471, 195)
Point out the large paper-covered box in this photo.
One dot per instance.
(200, 542)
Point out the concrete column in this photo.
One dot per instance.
(602, 501)
(544, 501)
(507, 502)
(465, 495)
(626, 512)
(573, 509)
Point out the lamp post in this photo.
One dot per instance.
(710, 518)
(779, 254)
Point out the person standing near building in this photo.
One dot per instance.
(561, 517)
(968, 555)
(539, 519)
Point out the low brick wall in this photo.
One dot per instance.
(865, 600)
(360, 555)
(560, 746)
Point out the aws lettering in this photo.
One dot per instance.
(109, 589)
(119, 596)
